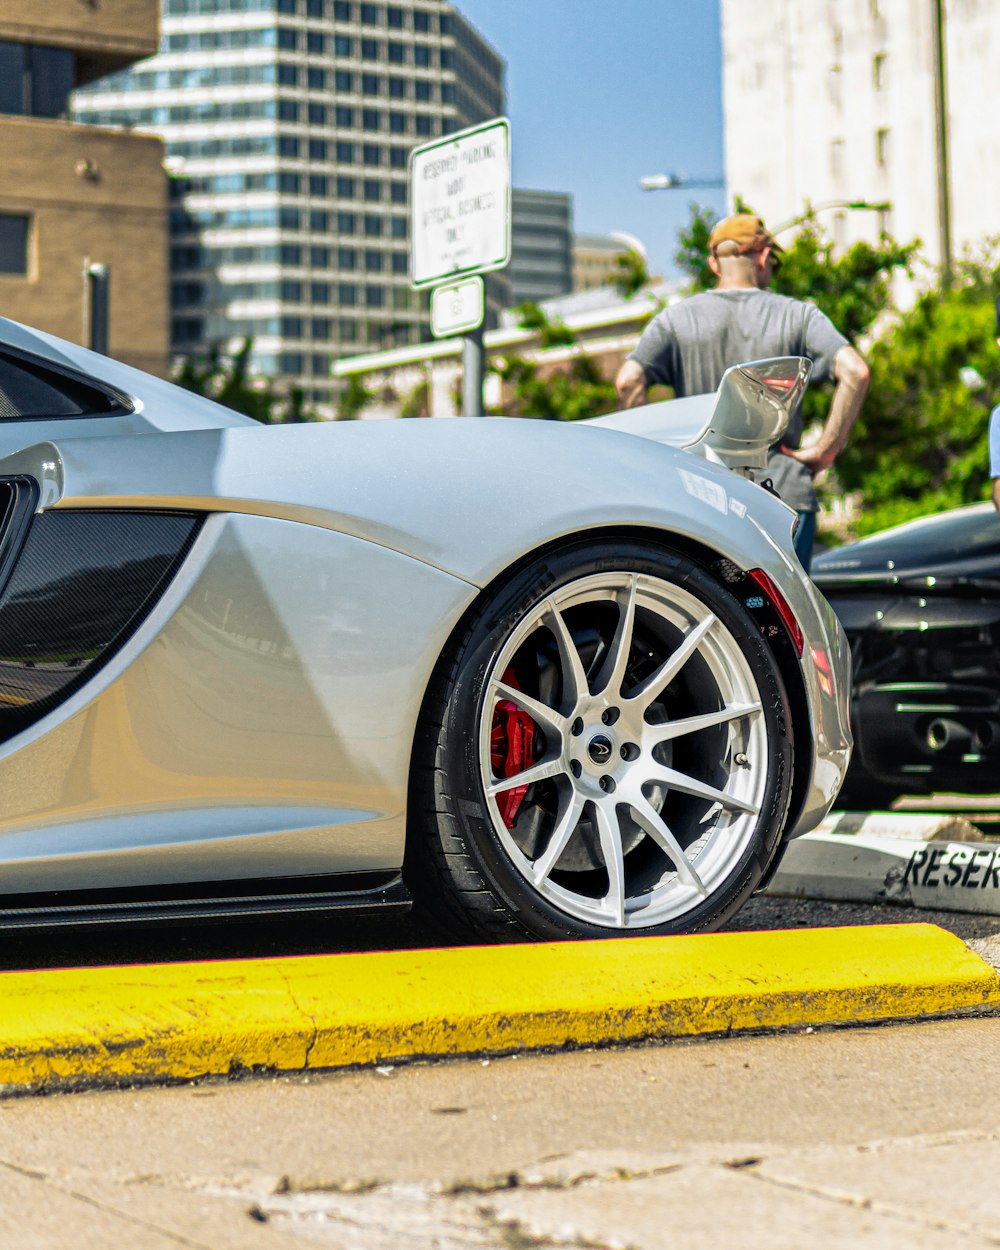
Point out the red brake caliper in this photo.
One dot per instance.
(512, 749)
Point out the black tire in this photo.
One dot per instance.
(649, 850)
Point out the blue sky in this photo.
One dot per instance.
(600, 92)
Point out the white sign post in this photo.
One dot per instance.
(457, 307)
(460, 225)
(460, 204)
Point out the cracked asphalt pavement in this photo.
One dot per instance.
(874, 1137)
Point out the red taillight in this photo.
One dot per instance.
(780, 605)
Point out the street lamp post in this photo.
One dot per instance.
(669, 182)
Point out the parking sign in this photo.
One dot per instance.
(460, 204)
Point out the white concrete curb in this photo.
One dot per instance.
(939, 863)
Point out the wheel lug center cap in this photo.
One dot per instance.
(600, 749)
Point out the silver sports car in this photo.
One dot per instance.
(547, 680)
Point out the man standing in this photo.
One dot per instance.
(690, 345)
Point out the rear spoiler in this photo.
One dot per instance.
(734, 427)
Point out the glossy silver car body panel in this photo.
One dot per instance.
(354, 549)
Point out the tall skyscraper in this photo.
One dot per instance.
(74, 201)
(541, 261)
(289, 125)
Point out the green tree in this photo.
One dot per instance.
(630, 274)
(354, 398)
(921, 442)
(568, 393)
(228, 381)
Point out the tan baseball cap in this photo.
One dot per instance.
(746, 230)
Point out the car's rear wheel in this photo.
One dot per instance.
(606, 751)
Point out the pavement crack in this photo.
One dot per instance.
(308, 1015)
(108, 1208)
(863, 1202)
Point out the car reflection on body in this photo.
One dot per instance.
(548, 680)
(921, 607)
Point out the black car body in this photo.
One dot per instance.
(921, 607)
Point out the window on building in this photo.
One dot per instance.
(288, 145)
(291, 291)
(371, 119)
(289, 219)
(397, 88)
(373, 262)
(394, 17)
(447, 93)
(319, 257)
(347, 223)
(397, 227)
(373, 226)
(422, 89)
(319, 221)
(348, 331)
(316, 78)
(421, 21)
(316, 114)
(397, 192)
(347, 258)
(316, 42)
(288, 39)
(321, 326)
(372, 190)
(445, 24)
(342, 10)
(399, 262)
(291, 362)
(369, 49)
(397, 123)
(396, 52)
(371, 154)
(882, 147)
(397, 158)
(290, 254)
(345, 151)
(347, 294)
(343, 45)
(878, 71)
(286, 6)
(317, 149)
(14, 233)
(447, 58)
(289, 183)
(288, 110)
(370, 84)
(375, 297)
(425, 124)
(369, 14)
(343, 80)
(837, 159)
(344, 115)
(421, 55)
(319, 184)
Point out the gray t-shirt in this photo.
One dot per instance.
(690, 345)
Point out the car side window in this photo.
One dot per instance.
(29, 391)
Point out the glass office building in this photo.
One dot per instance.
(288, 126)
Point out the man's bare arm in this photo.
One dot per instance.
(852, 376)
(631, 384)
(996, 493)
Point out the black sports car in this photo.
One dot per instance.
(921, 607)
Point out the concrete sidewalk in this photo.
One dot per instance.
(85, 1027)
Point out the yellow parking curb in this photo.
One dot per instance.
(100, 1026)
